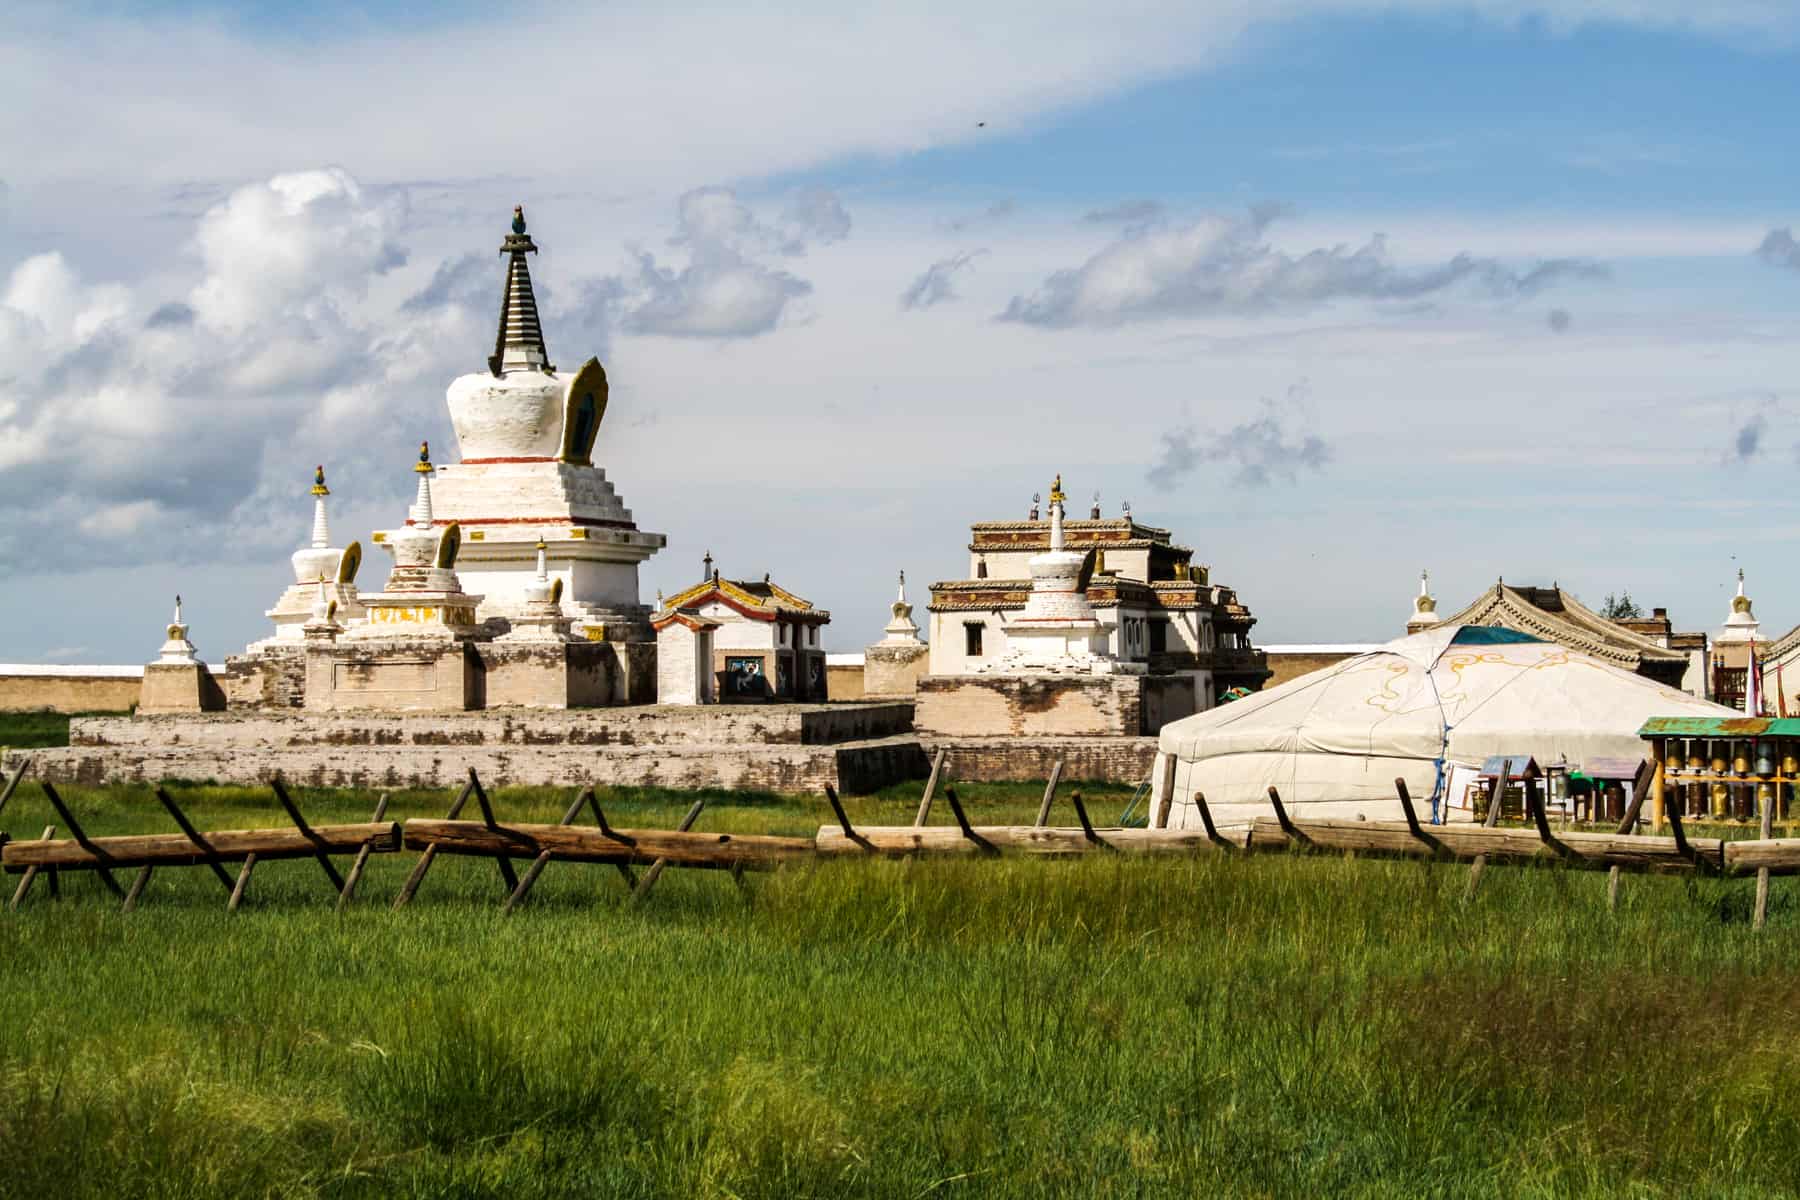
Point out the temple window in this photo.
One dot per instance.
(1159, 637)
(972, 639)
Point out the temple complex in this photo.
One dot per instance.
(1115, 608)
(1156, 610)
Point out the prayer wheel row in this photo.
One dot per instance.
(1728, 778)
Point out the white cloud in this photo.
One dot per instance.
(937, 283)
(1226, 265)
(724, 290)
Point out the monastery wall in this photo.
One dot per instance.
(32, 688)
(894, 670)
(1121, 760)
(1030, 706)
(642, 725)
(853, 768)
(1291, 662)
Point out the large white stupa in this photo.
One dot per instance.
(526, 434)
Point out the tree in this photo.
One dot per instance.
(1620, 608)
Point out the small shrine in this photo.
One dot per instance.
(767, 643)
(178, 682)
(894, 665)
(1740, 654)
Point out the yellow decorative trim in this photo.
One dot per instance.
(595, 633)
(378, 537)
(478, 535)
(578, 534)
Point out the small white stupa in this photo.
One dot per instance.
(320, 569)
(1058, 632)
(541, 619)
(177, 651)
(901, 631)
(1741, 626)
(1424, 613)
(423, 597)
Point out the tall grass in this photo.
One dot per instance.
(1221, 1026)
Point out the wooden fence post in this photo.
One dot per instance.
(1165, 792)
(937, 767)
(243, 881)
(1287, 825)
(82, 839)
(656, 868)
(1762, 873)
(427, 855)
(962, 820)
(362, 858)
(1212, 832)
(1496, 797)
(1629, 821)
(293, 812)
(1043, 816)
(194, 836)
(31, 873)
(1412, 818)
(537, 864)
(12, 785)
(137, 888)
(1087, 826)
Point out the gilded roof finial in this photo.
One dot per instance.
(1056, 492)
(424, 465)
(318, 487)
(518, 225)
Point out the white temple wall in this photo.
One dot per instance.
(949, 641)
(737, 632)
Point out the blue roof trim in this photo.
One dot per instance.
(1490, 635)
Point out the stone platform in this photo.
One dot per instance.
(792, 747)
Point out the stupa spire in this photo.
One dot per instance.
(321, 535)
(1056, 515)
(421, 509)
(519, 344)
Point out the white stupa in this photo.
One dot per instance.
(1057, 633)
(1424, 613)
(423, 597)
(902, 630)
(321, 570)
(526, 433)
(1741, 626)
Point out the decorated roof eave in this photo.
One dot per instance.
(1782, 646)
(1529, 618)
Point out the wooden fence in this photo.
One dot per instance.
(656, 850)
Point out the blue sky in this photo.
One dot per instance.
(1511, 290)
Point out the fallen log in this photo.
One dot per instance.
(1470, 841)
(177, 849)
(1778, 856)
(1025, 839)
(572, 843)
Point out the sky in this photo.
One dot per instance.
(1335, 290)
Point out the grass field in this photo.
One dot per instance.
(32, 730)
(1272, 1026)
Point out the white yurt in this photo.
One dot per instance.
(1429, 708)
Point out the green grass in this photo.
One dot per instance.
(1215, 1026)
(33, 730)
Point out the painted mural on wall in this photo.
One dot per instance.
(744, 676)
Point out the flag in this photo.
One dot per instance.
(1752, 687)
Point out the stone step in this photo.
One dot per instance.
(851, 767)
(647, 725)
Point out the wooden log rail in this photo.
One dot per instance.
(575, 843)
(1598, 850)
(178, 850)
(901, 840)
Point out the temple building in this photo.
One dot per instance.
(1136, 632)
(526, 433)
(764, 640)
(1647, 646)
(1156, 611)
